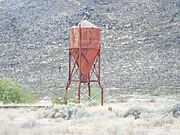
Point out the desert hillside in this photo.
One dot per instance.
(140, 42)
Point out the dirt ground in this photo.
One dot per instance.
(125, 115)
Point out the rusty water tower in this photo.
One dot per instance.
(84, 56)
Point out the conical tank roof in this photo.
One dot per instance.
(85, 24)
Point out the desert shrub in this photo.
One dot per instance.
(155, 92)
(65, 99)
(176, 111)
(68, 111)
(70, 97)
(95, 94)
(57, 100)
(11, 92)
(136, 112)
(30, 124)
(94, 99)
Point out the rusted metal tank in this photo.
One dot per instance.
(84, 46)
(84, 55)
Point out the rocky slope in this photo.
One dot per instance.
(140, 42)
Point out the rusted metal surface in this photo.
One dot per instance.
(84, 55)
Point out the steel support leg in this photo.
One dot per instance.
(102, 94)
(67, 86)
(79, 93)
(89, 90)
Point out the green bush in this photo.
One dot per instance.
(69, 97)
(57, 100)
(155, 92)
(11, 92)
(94, 98)
(65, 99)
(95, 94)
